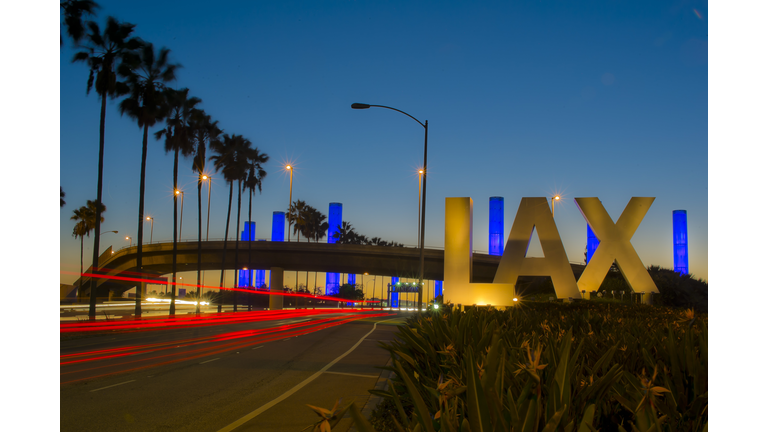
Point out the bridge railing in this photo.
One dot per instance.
(477, 251)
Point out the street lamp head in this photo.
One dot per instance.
(149, 218)
(127, 238)
(205, 177)
(557, 197)
(288, 167)
(178, 191)
(360, 106)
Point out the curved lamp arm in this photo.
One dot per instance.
(366, 106)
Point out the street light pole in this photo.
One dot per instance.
(151, 227)
(181, 215)
(425, 125)
(290, 203)
(130, 241)
(208, 218)
(554, 198)
(421, 172)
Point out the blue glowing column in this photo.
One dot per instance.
(393, 300)
(278, 235)
(680, 240)
(334, 221)
(592, 243)
(438, 288)
(496, 226)
(245, 277)
(351, 279)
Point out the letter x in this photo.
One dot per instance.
(615, 245)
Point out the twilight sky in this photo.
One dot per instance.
(604, 99)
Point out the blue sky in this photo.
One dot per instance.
(598, 98)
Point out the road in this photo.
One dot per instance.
(253, 375)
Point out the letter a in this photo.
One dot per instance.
(535, 213)
(615, 245)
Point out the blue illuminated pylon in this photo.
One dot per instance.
(334, 221)
(278, 226)
(680, 240)
(438, 288)
(278, 235)
(496, 226)
(393, 300)
(245, 277)
(351, 278)
(592, 243)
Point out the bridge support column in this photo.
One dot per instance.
(276, 287)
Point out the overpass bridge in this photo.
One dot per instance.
(290, 256)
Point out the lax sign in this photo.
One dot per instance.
(533, 213)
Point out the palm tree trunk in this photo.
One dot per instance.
(172, 310)
(224, 253)
(95, 266)
(237, 244)
(137, 310)
(80, 283)
(199, 241)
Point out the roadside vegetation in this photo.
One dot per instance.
(544, 366)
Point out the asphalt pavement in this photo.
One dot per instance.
(256, 376)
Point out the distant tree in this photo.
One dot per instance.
(86, 222)
(103, 53)
(204, 132)
(73, 11)
(256, 174)
(146, 73)
(61, 199)
(350, 292)
(231, 159)
(297, 214)
(178, 139)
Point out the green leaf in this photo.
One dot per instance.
(361, 423)
(421, 408)
(551, 425)
(530, 417)
(398, 405)
(479, 417)
(587, 419)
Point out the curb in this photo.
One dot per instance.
(374, 400)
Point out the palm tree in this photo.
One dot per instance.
(61, 198)
(178, 139)
(297, 214)
(231, 163)
(315, 227)
(146, 73)
(73, 11)
(86, 222)
(102, 54)
(204, 131)
(255, 176)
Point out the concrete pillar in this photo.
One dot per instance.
(276, 287)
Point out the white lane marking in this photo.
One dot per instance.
(351, 374)
(297, 387)
(291, 322)
(260, 346)
(208, 361)
(113, 385)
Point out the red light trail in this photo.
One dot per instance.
(245, 290)
(99, 360)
